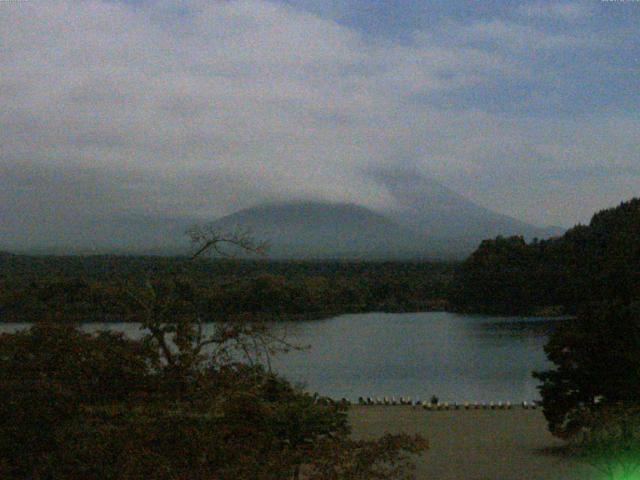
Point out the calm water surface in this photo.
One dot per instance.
(456, 357)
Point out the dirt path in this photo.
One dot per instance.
(476, 444)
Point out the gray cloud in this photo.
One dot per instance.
(199, 108)
(568, 11)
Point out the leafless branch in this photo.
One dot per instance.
(207, 239)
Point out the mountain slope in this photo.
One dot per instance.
(307, 229)
(424, 220)
(432, 209)
(431, 226)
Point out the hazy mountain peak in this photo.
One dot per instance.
(432, 209)
(412, 190)
(428, 220)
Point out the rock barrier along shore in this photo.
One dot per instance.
(435, 406)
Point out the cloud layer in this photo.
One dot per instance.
(200, 108)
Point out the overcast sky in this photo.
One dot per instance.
(199, 108)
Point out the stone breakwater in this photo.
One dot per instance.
(437, 405)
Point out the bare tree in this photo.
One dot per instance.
(176, 328)
(206, 239)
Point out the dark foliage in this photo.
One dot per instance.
(78, 406)
(610, 441)
(597, 365)
(598, 262)
(48, 375)
(91, 288)
(178, 403)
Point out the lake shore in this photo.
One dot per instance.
(456, 357)
(476, 444)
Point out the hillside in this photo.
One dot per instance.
(431, 209)
(595, 262)
(317, 229)
(423, 220)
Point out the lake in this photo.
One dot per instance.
(456, 357)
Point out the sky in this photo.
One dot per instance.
(199, 108)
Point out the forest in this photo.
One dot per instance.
(97, 288)
(175, 404)
(589, 263)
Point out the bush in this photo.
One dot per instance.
(101, 407)
(610, 441)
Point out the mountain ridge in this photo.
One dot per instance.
(307, 228)
(425, 220)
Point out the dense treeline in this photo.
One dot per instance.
(597, 262)
(75, 406)
(99, 288)
(590, 395)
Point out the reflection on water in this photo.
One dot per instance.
(456, 357)
(517, 327)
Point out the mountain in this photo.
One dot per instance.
(424, 220)
(438, 225)
(308, 229)
(431, 209)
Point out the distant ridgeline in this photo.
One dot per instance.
(598, 262)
